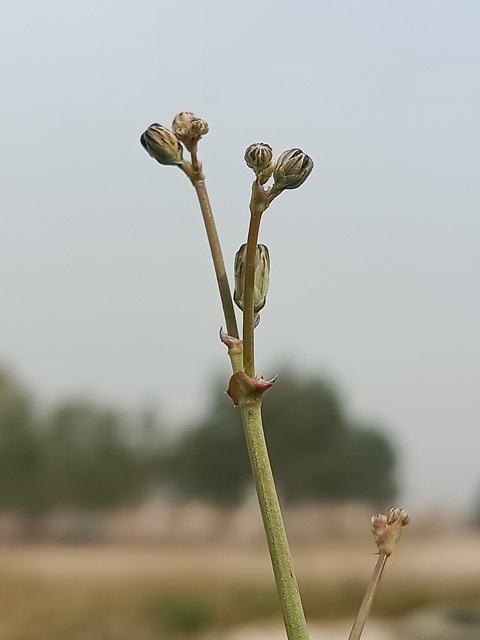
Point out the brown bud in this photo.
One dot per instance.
(189, 129)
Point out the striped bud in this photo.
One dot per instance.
(258, 156)
(262, 274)
(293, 168)
(161, 144)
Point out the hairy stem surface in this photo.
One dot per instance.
(287, 587)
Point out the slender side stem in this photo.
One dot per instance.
(292, 609)
(248, 311)
(218, 262)
(194, 173)
(367, 601)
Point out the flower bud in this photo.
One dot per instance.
(292, 169)
(258, 156)
(189, 129)
(262, 273)
(162, 145)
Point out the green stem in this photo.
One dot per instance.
(367, 601)
(287, 587)
(248, 303)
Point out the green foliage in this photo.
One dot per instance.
(79, 455)
(89, 456)
(317, 454)
(183, 614)
(210, 461)
(19, 447)
(87, 462)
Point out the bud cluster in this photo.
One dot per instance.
(189, 129)
(386, 529)
(165, 145)
(289, 172)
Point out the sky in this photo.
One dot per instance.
(105, 276)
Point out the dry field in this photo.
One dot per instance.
(147, 592)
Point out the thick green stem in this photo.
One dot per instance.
(292, 609)
(367, 601)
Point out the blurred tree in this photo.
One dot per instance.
(19, 447)
(87, 461)
(316, 453)
(210, 460)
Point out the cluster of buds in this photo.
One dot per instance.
(261, 281)
(386, 529)
(289, 172)
(189, 129)
(165, 145)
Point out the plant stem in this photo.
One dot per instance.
(367, 601)
(218, 262)
(287, 587)
(248, 311)
(194, 173)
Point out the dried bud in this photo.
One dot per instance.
(293, 168)
(386, 529)
(162, 145)
(189, 129)
(262, 273)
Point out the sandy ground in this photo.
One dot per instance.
(414, 559)
(339, 631)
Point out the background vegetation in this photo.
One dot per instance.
(87, 456)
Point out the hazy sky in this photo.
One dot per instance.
(106, 283)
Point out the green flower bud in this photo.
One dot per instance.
(293, 168)
(262, 273)
(189, 129)
(161, 144)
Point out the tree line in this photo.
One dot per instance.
(88, 456)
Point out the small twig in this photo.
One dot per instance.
(367, 601)
(386, 531)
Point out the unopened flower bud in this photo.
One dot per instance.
(395, 513)
(189, 129)
(162, 145)
(262, 274)
(292, 169)
(258, 156)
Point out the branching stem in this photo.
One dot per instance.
(194, 172)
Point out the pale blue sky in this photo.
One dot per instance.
(106, 280)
